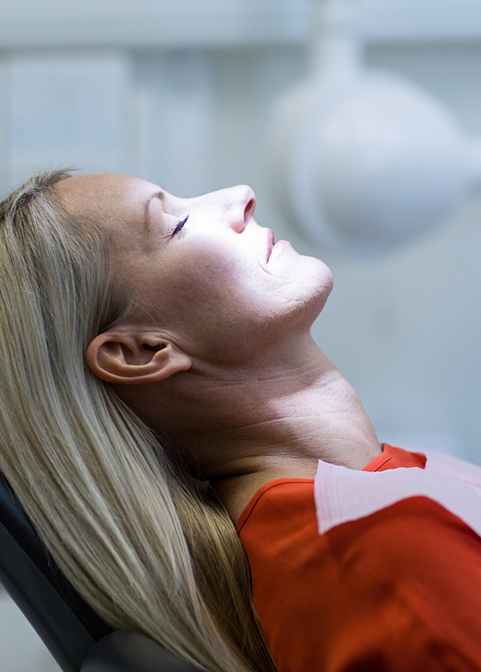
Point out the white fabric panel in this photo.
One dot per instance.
(452, 466)
(343, 495)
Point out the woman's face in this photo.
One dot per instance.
(206, 273)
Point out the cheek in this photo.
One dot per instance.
(205, 292)
(209, 279)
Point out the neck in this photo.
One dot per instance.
(246, 426)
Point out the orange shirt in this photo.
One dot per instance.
(396, 591)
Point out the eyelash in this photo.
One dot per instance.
(179, 226)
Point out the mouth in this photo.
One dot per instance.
(270, 243)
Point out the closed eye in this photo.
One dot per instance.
(179, 226)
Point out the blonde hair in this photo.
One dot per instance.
(145, 547)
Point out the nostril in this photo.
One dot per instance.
(249, 209)
(241, 206)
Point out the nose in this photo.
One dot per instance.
(241, 204)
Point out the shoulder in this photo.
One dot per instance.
(404, 573)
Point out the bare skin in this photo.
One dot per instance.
(218, 353)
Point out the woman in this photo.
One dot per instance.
(152, 344)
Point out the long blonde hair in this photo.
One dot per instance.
(145, 547)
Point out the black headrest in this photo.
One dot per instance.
(65, 622)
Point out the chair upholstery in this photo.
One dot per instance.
(78, 639)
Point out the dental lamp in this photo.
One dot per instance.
(364, 159)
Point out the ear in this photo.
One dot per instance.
(134, 357)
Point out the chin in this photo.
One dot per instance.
(328, 281)
(320, 277)
(321, 286)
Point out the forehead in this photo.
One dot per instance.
(114, 201)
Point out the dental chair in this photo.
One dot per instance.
(78, 639)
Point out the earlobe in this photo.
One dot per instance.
(124, 358)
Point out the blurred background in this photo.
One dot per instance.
(188, 93)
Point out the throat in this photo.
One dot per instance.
(247, 428)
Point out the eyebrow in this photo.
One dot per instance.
(157, 194)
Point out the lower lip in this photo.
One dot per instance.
(278, 247)
(270, 243)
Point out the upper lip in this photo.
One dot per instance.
(270, 243)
